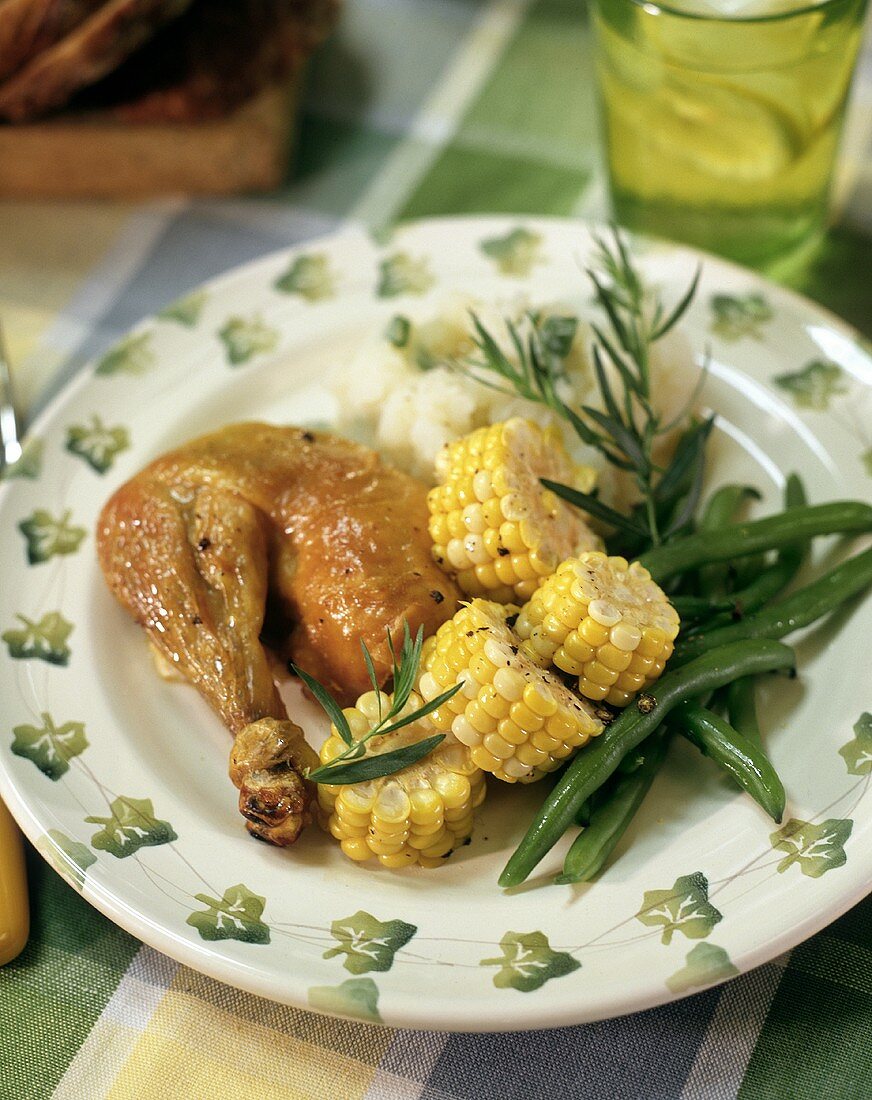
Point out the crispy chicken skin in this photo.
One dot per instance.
(200, 543)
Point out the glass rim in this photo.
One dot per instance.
(806, 7)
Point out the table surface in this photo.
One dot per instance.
(415, 107)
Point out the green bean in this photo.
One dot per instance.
(592, 767)
(698, 607)
(741, 697)
(797, 610)
(593, 846)
(745, 761)
(721, 509)
(763, 534)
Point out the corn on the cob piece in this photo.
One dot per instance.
(603, 620)
(518, 720)
(417, 815)
(493, 525)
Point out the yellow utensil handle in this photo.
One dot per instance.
(14, 914)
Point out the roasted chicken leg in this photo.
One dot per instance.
(306, 530)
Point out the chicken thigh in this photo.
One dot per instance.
(256, 529)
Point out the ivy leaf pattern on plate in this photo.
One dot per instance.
(131, 825)
(28, 464)
(738, 315)
(685, 908)
(133, 355)
(235, 916)
(528, 962)
(401, 274)
(356, 997)
(244, 339)
(866, 459)
(814, 386)
(185, 311)
(47, 536)
(310, 277)
(858, 753)
(705, 963)
(516, 253)
(368, 943)
(815, 848)
(69, 857)
(45, 640)
(50, 747)
(97, 444)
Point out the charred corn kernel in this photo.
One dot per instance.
(518, 720)
(420, 814)
(603, 620)
(492, 523)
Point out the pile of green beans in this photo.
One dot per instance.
(732, 641)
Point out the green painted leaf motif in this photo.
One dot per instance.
(28, 464)
(236, 916)
(368, 943)
(816, 848)
(310, 277)
(356, 997)
(516, 253)
(814, 385)
(69, 857)
(133, 355)
(528, 962)
(398, 331)
(705, 963)
(685, 908)
(858, 753)
(244, 339)
(185, 311)
(47, 536)
(49, 746)
(866, 459)
(97, 444)
(45, 640)
(738, 315)
(401, 274)
(131, 825)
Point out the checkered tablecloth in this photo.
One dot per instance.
(416, 107)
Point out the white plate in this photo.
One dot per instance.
(791, 386)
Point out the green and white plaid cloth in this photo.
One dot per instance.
(416, 107)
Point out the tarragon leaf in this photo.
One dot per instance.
(528, 962)
(310, 277)
(185, 311)
(706, 963)
(49, 746)
(401, 274)
(28, 464)
(816, 848)
(516, 253)
(356, 997)
(243, 339)
(368, 943)
(133, 355)
(235, 916)
(131, 825)
(69, 857)
(47, 536)
(685, 908)
(377, 765)
(858, 753)
(45, 640)
(97, 444)
(735, 316)
(814, 385)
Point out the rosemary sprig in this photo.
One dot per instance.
(354, 765)
(627, 427)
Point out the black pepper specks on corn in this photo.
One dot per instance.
(518, 720)
(603, 620)
(493, 525)
(416, 816)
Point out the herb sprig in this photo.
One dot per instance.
(627, 426)
(354, 765)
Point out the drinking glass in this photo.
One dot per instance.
(721, 118)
